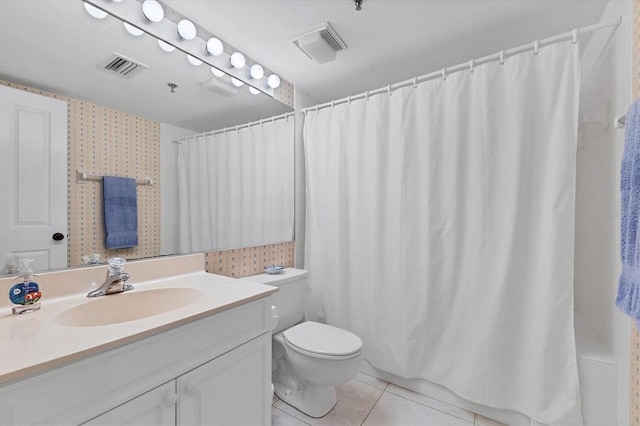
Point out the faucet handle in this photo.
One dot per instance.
(116, 265)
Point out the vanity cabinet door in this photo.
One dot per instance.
(233, 389)
(154, 408)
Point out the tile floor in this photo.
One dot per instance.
(368, 401)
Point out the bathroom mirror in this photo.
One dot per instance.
(57, 47)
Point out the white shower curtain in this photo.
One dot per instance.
(235, 189)
(440, 228)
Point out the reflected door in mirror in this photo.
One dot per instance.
(33, 179)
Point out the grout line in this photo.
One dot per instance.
(433, 408)
(374, 405)
(289, 415)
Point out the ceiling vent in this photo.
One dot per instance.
(123, 66)
(320, 44)
(220, 85)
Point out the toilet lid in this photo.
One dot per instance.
(323, 339)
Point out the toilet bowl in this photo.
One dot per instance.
(311, 357)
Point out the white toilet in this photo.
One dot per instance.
(311, 357)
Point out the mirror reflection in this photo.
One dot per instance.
(127, 125)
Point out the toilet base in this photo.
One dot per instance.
(313, 400)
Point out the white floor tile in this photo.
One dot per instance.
(355, 400)
(365, 378)
(432, 403)
(394, 410)
(280, 418)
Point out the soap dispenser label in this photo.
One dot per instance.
(25, 293)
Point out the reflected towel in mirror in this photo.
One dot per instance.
(120, 212)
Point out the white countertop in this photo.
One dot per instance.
(34, 342)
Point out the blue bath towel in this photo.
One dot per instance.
(628, 299)
(120, 212)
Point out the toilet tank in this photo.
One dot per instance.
(291, 296)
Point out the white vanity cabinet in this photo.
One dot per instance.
(154, 408)
(215, 370)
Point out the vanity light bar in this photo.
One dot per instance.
(166, 30)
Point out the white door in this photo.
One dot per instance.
(154, 408)
(233, 389)
(33, 179)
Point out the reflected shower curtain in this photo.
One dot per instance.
(235, 189)
(440, 228)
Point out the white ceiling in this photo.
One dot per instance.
(56, 46)
(388, 40)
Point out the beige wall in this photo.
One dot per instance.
(249, 260)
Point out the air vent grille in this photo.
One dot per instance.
(331, 40)
(320, 44)
(123, 66)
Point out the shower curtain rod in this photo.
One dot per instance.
(500, 56)
(275, 118)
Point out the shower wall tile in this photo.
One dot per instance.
(242, 262)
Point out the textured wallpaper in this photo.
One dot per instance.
(249, 260)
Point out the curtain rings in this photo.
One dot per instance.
(389, 90)
(415, 82)
(502, 57)
(536, 47)
(574, 35)
(444, 73)
(332, 104)
(471, 66)
(366, 95)
(349, 100)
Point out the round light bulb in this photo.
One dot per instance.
(215, 47)
(256, 72)
(152, 10)
(94, 11)
(215, 71)
(134, 31)
(236, 82)
(237, 60)
(194, 61)
(254, 91)
(166, 46)
(273, 81)
(186, 30)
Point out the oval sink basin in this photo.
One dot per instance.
(128, 306)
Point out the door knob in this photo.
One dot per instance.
(58, 236)
(171, 399)
(191, 389)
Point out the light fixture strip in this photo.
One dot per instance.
(166, 30)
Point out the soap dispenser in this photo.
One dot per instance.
(25, 290)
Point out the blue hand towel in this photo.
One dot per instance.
(120, 212)
(628, 299)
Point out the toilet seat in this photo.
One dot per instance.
(322, 341)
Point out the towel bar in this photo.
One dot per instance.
(83, 177)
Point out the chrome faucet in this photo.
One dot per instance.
(115, 282)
